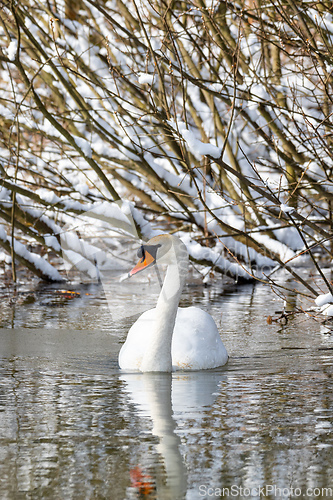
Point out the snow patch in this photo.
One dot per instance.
(197, 147)
(84, 146)
(82, 188)
(52, 242)
(326, 298)
(11, 50)
(35, 259)
(327, 310)
(3, 234)
(201, 253)
(48, 196)
(38, 261)
(325, 302)
(146, 78)
(286, 209)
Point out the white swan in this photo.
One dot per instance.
(167, 337)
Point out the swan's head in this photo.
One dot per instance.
(161, 249)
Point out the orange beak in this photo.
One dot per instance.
(146, 261)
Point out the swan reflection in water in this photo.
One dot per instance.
(171, 401)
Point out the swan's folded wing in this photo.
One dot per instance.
(196, 343)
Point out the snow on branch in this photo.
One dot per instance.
(196, 147)
(37, 264)
(208, 257)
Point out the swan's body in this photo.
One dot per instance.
(167, 337)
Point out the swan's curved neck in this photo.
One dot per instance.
(158, 354)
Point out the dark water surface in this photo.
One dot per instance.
(73, 426)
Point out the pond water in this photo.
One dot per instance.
(73, 426)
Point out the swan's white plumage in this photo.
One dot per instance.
(168, 337)
(196, 343)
